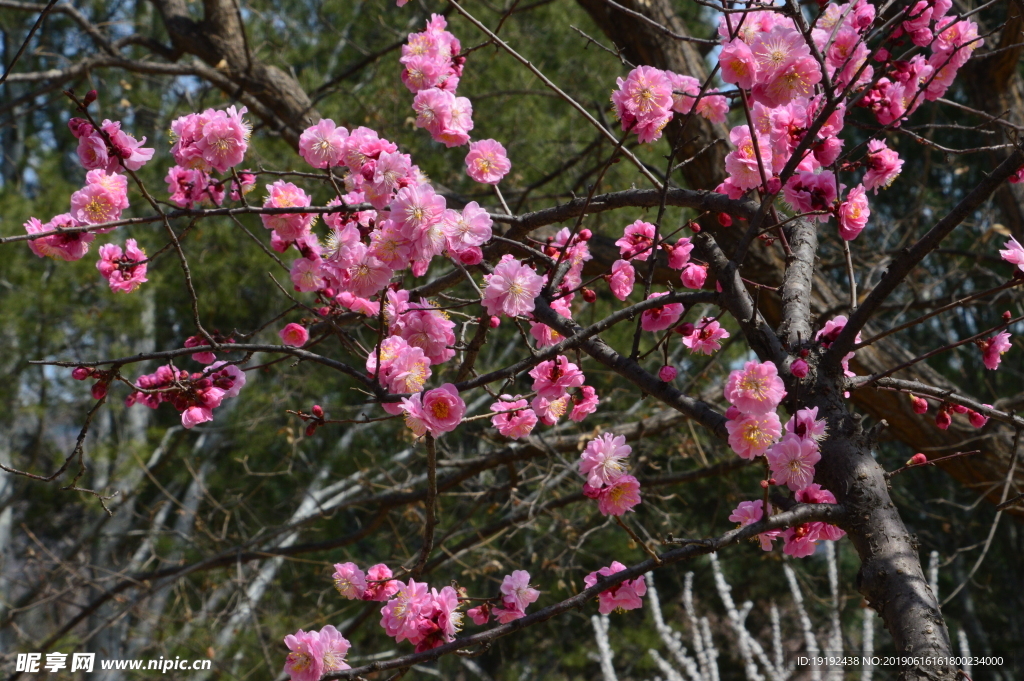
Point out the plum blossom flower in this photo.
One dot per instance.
(305, 662)
(512, 288)
(224, 138)
(661, 318)
(440, 409)
(124, 270)
(806, 424)
(799, 368)
(993, 348)
(751, 435)
(853, 213)
(307, 275)
(550, 411)
(742, 162)
(755, 389)
(487, 161)
(750, 512)
(289, 226)
(807, 192)
(678, 253)
(601, 461)
(1013, 254)
(518, 420)
(69, 246)
(620, 496)
(584, 403)
(471, 227)
(800, 541)
(694, 275)
(379, 585)
(323, 145)
(349, 580)
(335, 648)
(516, 588)
(792, 461)
(553, 378)
(883, 165)
(402, 614)
(626, 595)
(739, 66)
(102, 199)
(622, 279)
(644, 102)
(294, 335)
(667, 373)
(705, 336)
(636, 240)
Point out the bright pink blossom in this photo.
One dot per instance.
(678, 253)
(883, 165)
(993, 348)
(1014, 253)
(550, 411)
(755, 389)
(516, 588)
(471, 227)
(661, 318)
(853, 213)
(224, 138)
(739, 66)
(705, 336)
(379, 585)
(752, 435)
(620, 496)
(792, 461)
(553, 378)
(402, 614)
(636, 240)
(809, 192)
(799, 368)
(518, 420)
(806, 424)
(750, 512)
(294, 335)
(742, 162)
(626, 595)
(289, 226)
(323, 145)
(622, 279)
(584, 403)
(487, 161)
(68, 247)
(512, 288)
(335, 647)
(694, 275)
(349, 580)
(124, 270)
(102, 198)
(305, 662)
(668, 373)
(602, 461)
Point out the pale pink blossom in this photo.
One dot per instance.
(305, 662)
(622, 279)
(544, 334)
(516, 588)
(750, 512)
(307, 275)
(755, 389)
(512, 288)
(806, 424)
(814, 494)
(195, 415)
(601, 463)
(752, 435)
(124, 270)
(68, 247)
(480, 615)
(777, 49)
(294, 335)
(883, 165)
(620, 496)
(550, 411)
(792, 461)
(584, 403)
(335, 647)
(627, 595)
(367, 275)
(742, 162)
(553, 378)
(487, 161)
(429, 329)
(349, 580)
(661, 318)
(694, 275)
(1014, 253)
(507, 614)
(102, 199)
(323, 145)
(518, 420)
(471, 227)
(288, 226)
(705, 337)
(993, 348)
(739, 66)
(402, 614)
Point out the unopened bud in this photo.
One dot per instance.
(685, 329)
(80, 373)
(799, 368)
(917, 459)
(919, 404)
(90, 97)
(318, 411)
(960, 409)
(311, 429)
(977, 420)
(725, 219)
(667, 373)
(694, 227)
(585, 234)
(589, 295)
(324, 311)
(99, 390)
(764, 484)
(772, 481)
(1007, 316)
(493, 322)
(733, 413)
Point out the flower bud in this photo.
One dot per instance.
(694, 227)
(90, 97)
(919, 404)
(1007, 316)
(667, 373)
(493, 322)
(733, 413)
(685, 329)
(589, 295)
(318, 411)
(799, 368)
(585, 234)
(324, 311)
(80, 373)
(764, 484)
(917, 459)
(943, 419)
(311, 429)
(977, 420)
(960, 409)
(99, 390)
(725, 219)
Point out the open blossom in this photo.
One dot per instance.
(379, 585)
(993, 348)
(305, 662)
(815, 494)
(553, 378)
(755, 389)
(622, 279)
(739, 66)
(544, 334)
(742, 162)
(516, 588)
(661, 318)
(323, 145)
(750, 512)
(471, 227)
(518, 420)
(1013, 254)
(853, 213)
(584, 403)
(636, 240)
(307, 275)
(102, 199)
(602, 461)
(751, 435)
(550, 411)
(335, 647)
(792, 461)
(620, 496)
(678, 253)
(288, 226)
(705, 336)
(644, 102)
(807, 192)
(349, 580)
(441, 409)
(883, 165)
(487, 161)
(694, 275)
(124, 270)
(512, 288)
(294, 335)
(402, 614)
(806, 424)
(68, 247)
(626, 595)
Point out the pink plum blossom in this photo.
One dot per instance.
(668, 373)
(224, 138)
(442, 409)
(512, 288)
(1013, 254)
(124, 270)
(68, 247)
(602, 461)
(661, 318)
(622, 279)
(102, 198)
(739, 66)
(694, 275)
(993, 348)
(620, 496)
(678, 253)
(806, 424)
(516, 588)
(742, 162)
(636, 240)
(751, 435)
(883, 165)
(288, 226)
(294, 335)
(792, 461)
(401, 616)
(626, 595)
(379, 585)
(584, 403)
(305, 662)
(705, 337)
(518, 420)
(853, 213)
(553, 378)
(550, 411)
(750, 512)
(335, 647)
(755, 389)
(323, 145)
(487, 161)
(471, 227)
(808, 192)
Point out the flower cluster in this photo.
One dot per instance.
(195, 395)
(432, 66)
(607, 481)
(648, 97)
(627, 595)
(109, 148)
(315, 653)
(124, 270)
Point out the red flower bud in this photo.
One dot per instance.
(799, 368)
(324, 311)
(919, 404)
(80, 373)
(493, 322)
(917, 459)
(589, 295)
(90, 97)
(960, 409)
(318, 411)
(943, 419)
(694, 227)
(725, 219)
(99, 390)
(311, 429)
(585, 234)
(1007, 316)
(685, 329)
(764, 484)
